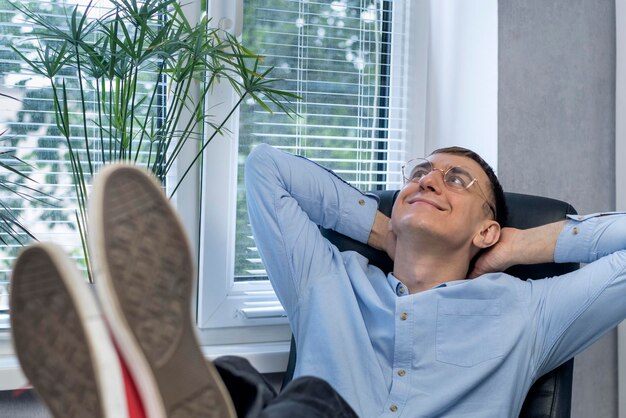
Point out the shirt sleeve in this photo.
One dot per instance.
(586, 238)
(288, 198)
(574, 310)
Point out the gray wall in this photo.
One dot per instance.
(556, 130)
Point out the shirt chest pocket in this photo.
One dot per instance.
(468, 331)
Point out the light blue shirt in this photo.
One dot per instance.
(468, 348)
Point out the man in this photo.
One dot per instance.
(424, 341)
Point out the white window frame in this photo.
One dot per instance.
(249, 312)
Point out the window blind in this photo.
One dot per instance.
(336, 55)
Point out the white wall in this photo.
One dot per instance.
(462, 96)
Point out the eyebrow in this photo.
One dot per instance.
(449, 166)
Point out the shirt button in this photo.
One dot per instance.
(404, 316)
(361, 202)
(401, 289)
(575, 231)
(401, 372)
(393, 408)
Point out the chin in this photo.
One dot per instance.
(422, 226)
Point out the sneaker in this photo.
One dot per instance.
(60, 339)
(144, 275)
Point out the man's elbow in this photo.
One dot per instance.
(264, 169)
(258, 160)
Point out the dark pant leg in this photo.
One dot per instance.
(248, 389)
(254, 397)
(308, 397)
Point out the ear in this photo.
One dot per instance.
(488, 235)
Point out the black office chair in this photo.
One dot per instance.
(550, 396)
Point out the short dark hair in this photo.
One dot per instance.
(502, 212)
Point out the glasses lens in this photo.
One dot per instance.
(415, 169)
(458, 178)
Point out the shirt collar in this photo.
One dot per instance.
(401, 290)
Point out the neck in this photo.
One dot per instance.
(423, 267)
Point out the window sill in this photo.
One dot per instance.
(265, 357)
(11, 376)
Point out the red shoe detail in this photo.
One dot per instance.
(135, 406)
(20, 391)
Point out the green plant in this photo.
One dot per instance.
(12, 166)
(132, 85)
(10, 224)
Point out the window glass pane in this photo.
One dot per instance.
(336, 56)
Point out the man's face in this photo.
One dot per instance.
(429, 208)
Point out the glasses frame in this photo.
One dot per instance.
(444, 173)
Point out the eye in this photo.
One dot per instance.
(455, 180)
(419, 172)
(458, 178)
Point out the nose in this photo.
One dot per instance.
(432, 181)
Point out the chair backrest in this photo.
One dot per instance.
(550, 396)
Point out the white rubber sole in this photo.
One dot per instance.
(60, 338)
(144, 275)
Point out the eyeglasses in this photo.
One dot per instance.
(455, 178)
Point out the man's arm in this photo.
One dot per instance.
(520, 246)
(581, 239)
(288, 197)
(583, 305)
(569, 312)
(382, 236)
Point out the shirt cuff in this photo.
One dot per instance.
(581, 240)
(572, 245)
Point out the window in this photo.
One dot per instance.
(336, 57)
(347, 59)
(29, 132)
(32, 135)
(344, 59)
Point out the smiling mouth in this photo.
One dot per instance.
(424, 201)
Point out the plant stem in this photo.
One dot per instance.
(152, 97)
(100, 117)
(175, 121)
(84, 115)
(82, 230)
(199, 154)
